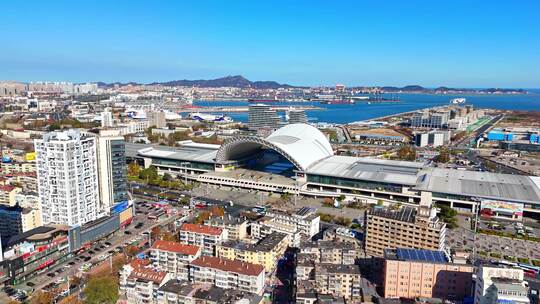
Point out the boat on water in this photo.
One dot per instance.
(338, 101)
(262, 100)
(204, 117)
(458, 100)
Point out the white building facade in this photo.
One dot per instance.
(67, 172)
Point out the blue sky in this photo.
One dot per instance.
(431, 43)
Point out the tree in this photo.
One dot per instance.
(166, 177)
(406, 153)
(341, 198)
(131, 250)
(344, 221)
(203, 216)
(448, 215)
(41, 297)
(443, 157)
(101, 290)
(134, 169)
(53, 127)
(71, 299)
(149, 174)
(217, 211)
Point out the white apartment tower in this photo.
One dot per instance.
(67, 171)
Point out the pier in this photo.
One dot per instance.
(242, 109)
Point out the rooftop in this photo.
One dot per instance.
(403, 214)
(186, 153)
(228, 265)
(479, 184)
(175, 247)
(266, 244)
(368, 169)
(416, 255)
(40, 233)
(337, 268)
(208, 292)
(203, 229)
(147, 275)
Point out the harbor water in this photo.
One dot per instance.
(347, 113)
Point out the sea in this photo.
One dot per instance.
(361, 111)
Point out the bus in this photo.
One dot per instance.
(156, 215)
(529, 267)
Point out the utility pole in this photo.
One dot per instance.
(110, 263)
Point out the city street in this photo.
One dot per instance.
(71, 267)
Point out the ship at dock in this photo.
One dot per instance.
(458, 101)
(263, 100)
(338, 101)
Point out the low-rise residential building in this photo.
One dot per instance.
(227, 274)
(16, 219)
(413, 273)
(206, 237)
(265, 226)
(265, 252)
(182, 292)
(140, 283)
(236, 226)
(174, 257)
(338, 280)
(7, 194)
(18, 167)
(406, 227)
(504, 290)
(304, 219)
(332, 252)
(489, 276)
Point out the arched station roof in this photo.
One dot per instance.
(301, 144)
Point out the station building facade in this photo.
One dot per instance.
(299, 160)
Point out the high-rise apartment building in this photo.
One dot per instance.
(156, 119)
(261, 116)
(107, 119)
(67, 171)
(112, 170)
(297, 116)
(406, 227)
(429, 120)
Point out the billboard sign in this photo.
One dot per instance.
(503, 207)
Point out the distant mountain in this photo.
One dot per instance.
(409, 88)
(102, 84)
(228, 81)
(447, 90)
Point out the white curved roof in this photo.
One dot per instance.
(302, 142)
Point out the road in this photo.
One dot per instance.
(476, 134)
(117, 240)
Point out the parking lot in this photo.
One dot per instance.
(493, 246)
(56, 276)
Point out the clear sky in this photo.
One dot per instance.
(454, 43)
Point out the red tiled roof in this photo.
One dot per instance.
(228, 265)
(139, 263)
(175, 247)
(147, 275)
(6, 188)
(203, 229)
